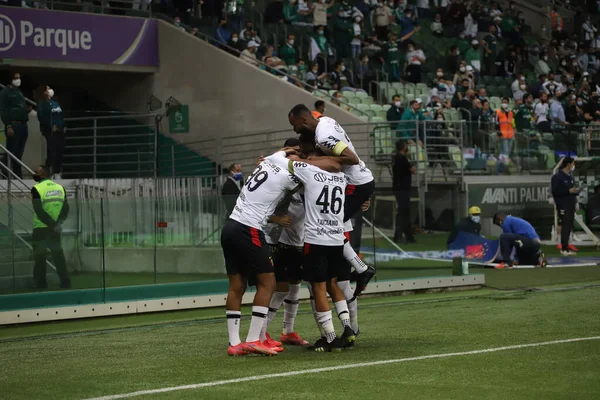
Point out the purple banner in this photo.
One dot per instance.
(77, 37)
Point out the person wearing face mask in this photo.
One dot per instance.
(506, 132)
(15, 114)
(557, 112)
(51, 209)
(520, 236)
(383, 19)
(249, 55)
(565, 195)
(442, 89)
(342, 28)
(470, 224)
(320, 50)
(519, 87)
(394, 113)
(287, 52)
(232, 187)
(356, 42)
(338, 77)
(236, 45)
(541, 66)
(392, 57)
(52, 127)
(409, 25)
(319, 9)
(313, 78)
(223, 33)
(436, 25)
(524, 115)
(415, 58)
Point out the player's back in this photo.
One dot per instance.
(294, 234)
(332, 139)
(263, 191)
(324, 204)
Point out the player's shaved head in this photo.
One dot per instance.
(302, 120)
(307, 145)
(292, 142)
(499, 218)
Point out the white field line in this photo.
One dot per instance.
(338, 368)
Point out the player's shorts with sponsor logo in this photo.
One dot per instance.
(322, 263)
(288, 262)
(245, 250)
(355, 197)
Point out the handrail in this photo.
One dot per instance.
(208, 38)
(108, 117)
(13, 157)
(27, 100)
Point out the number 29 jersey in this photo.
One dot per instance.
(323, 204)
(263, 191)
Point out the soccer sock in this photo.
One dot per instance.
(290, 308)
(274, 305)
(314, 309)
(326, 323)
(233, 326)
(352, 303)
(353, 258)
(341, 307)
(259, 315)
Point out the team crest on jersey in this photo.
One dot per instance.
(319, 177)
(338, 128)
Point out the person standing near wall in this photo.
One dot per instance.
(15, 114)
(51, 209)
(52, 126)
(402, 177)
(232, 187)
(565, 194)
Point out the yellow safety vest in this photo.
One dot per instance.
(52, 196)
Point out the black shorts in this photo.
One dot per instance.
(245, 250)
(355, 197)
(288, 262)
(322, 263)
(562, 213)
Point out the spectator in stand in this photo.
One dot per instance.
(423, 9)
(320, 50)
(319, 9)
(250, 35)
(436, 25)
(591, 111)
(524, 115)
(394, 113)
(412, 113)
(540, 114)
(319, 109)
(557, 22)
(490, 51)
(519, 87)
(482, 95)
(461, 92)
(497, 21)
(52, 127)
(574, 111)
(338, 76)
(313, 78)
(383, 18)
(392, 58)
(473, 55)
(342, 29)
(15, 114)
(414, 61)
(506, 132)
(236, 46)
(223, 33)
(231, 188)
(271, 60)
(471, 25)
(356, 42)
(487, 120)
(290, 12)
(409, 24)
(338, 100)
(557, 111)
(364, 74)
(178, 24)
(589, 31)
(235, 11)
(273, 12)
(442, 88)
(453, 60)
(287, 51)
(249, 55)
(541, 67)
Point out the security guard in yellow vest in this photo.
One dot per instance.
(51, 210)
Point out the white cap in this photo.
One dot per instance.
(474, 41)
(497, 19)
(252, 43)
(419, 100)
(469, 68)
(586, 73)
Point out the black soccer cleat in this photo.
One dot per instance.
(348, 338)
(319, 343)
(362, 280)
(324, 347)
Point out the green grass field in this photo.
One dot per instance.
(101, 357)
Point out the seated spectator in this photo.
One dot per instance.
(251, 35)
(313, 78)
(235, 46)
(249, 55)
(287, 51)
(394, 113)
(461, 92)
(338, 100)
(473, 55)
(223, 34)
(541, 66)
(436, 25)
(194, 31)
(271, 60)
(319, 109)
(444, 90)
(519, 87)
(414, 60)
(248, 28)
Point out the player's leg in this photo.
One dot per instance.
(314, 309)
(507, 244)
(281, 291)
(352, 301)
(339, 268)
(293, 257)
(260, 265)
(364, 277)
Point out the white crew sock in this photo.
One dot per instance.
(352, 303)
(354, 259)
(276, 301)
(324, 319)
(259, 315)
(290, 308)
(233, 326)
(314, 309)
(341, 307)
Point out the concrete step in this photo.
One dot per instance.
(18, 254)
(20, 268)
(26, 282)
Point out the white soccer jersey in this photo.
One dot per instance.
(272, 230)
(263, 191)
(331, 138)
(294, 235)
(323, 203)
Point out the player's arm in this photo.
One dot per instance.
(346, 156)
(326, 163)
(283, 220)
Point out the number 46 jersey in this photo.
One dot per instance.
(263, 191)
(323, 203)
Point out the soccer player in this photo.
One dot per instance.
(518, 234)
(246, 253)
(285, 235)
(332, 140)
(323, 246)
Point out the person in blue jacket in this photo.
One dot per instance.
(519, 235)
(52, 126)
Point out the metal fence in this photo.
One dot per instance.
(113, 145)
